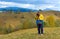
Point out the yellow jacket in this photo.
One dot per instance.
(41, 17)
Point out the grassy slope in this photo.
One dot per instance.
(7, 19)
(49, 33)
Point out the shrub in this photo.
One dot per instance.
(5, 29)
(51, 20)
(46, 24)
(28, 24)
(8, 29)
(57, 23)
(18, 27)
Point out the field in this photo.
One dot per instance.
(22, 25)
(49, 33)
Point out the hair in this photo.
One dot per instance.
(37, 14)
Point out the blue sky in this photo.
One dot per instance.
(31, 4)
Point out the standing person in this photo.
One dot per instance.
(40, 23)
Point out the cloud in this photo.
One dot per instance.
(2, 6)
(13, 4)
(52, 4)
(35, 4)
(30, 6)
(44, 7)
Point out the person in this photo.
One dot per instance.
(40, 23)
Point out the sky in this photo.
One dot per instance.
(31, 4)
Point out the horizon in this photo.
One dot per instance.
(31, 4)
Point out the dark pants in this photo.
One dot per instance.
(40, 27)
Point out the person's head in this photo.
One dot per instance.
(38, 14)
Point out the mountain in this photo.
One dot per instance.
(16, 9)
(47, 9)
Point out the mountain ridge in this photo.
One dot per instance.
(17, 9)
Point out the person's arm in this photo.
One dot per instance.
(36, 18)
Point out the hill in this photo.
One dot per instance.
(10, 22)
(16, 19)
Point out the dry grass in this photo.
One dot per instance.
(20, 21)
(49, 33)
(7, 19)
